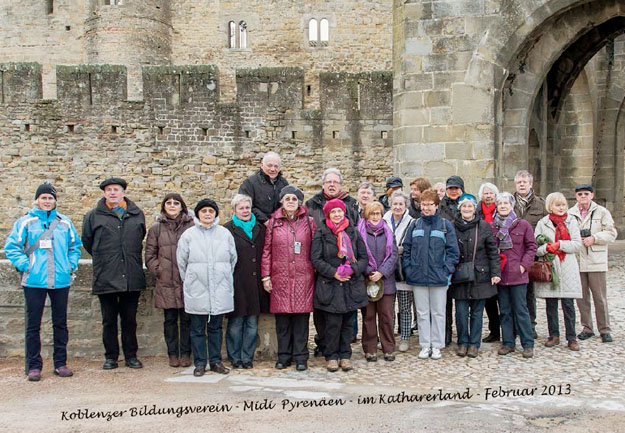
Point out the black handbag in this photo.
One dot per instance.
(465, 272)
(399, 270)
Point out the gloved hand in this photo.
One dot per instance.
(553, 247)
(345, 270)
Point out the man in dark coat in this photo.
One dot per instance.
(531, 208)
(448, 209)
(393, 183)
(113, 234)
(331, 184)
(264, 187)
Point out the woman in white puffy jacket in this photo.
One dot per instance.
(206, 257)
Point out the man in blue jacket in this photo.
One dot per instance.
(45, 248)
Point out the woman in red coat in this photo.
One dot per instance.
(288, 275)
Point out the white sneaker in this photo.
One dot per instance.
(404, 345)
(425, 353)
(436, 353)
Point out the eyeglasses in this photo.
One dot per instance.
(331, 182)
(172, 203)
(290, 199)
(375, 213)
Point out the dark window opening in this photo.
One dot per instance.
(70, 128)
(26, 127)
(50, 7)
(247, 134)
(204, 131)
(335, 134)
(293, 134)
(114, 129)
(68, 28)
(161, 129)
(308, 90)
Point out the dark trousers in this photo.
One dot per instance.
(531, 303)
(177, 337)
(319, 322)
(568, 308)
(513, 311)
(449, 318)
(201, 331)
(125, 306)
(469, 314)
(292, 332)
(338, 335)
(35, 300)
(383, 311)
(492, 311)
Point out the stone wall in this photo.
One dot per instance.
(181, 137)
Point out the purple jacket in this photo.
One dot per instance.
(521, 254)
(377, 246)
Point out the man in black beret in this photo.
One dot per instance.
(393, 183)
(113, 234)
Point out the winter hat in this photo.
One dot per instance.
(292, 189)
(467, 197)
(206, 202)
(394, 182)
(584, 187)
(333, 204)
(455, 182)
(114, 181)
(45, 188)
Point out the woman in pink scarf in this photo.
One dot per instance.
(339, 255)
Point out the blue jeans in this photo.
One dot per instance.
(241, 338)
(35, 300)
(513, 310)
(199, 337)
(469, 330)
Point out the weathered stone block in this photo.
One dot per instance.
(471, 104)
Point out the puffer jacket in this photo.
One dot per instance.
(430, 252)
(116, 247)
(568, 270)
(44, 268)
(486, 263)
(292, 275)
(206, 260)
(317, 201)
(332, 295)
(160, 259)
(265, 194)
(601, 225)
(521, 254)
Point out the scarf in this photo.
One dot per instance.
(488, 211)
(246, 226)
(502, 224)
(341, 195)
(562, 233)
(343, 242)
(363, 225)
(524, 201)
(119, 210)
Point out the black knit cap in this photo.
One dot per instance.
(206, 202)
(45, 188)
(292, 189)
(114, 181)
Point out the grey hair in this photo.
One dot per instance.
(238, 198)
(507, 196)
(524, 173)
(367, 185)
(401, 194)
(488, 185)
(272, 155)
(331, 170)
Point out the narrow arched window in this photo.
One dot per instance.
(312, 30)
(242, 34)
(324, 30)
(232, 34)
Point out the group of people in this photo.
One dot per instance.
(330, 256)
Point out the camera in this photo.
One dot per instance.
(585, 233)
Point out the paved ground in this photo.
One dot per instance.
(557, 391)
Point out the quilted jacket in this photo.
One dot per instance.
(292, 275)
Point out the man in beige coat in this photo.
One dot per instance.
(597, 230)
